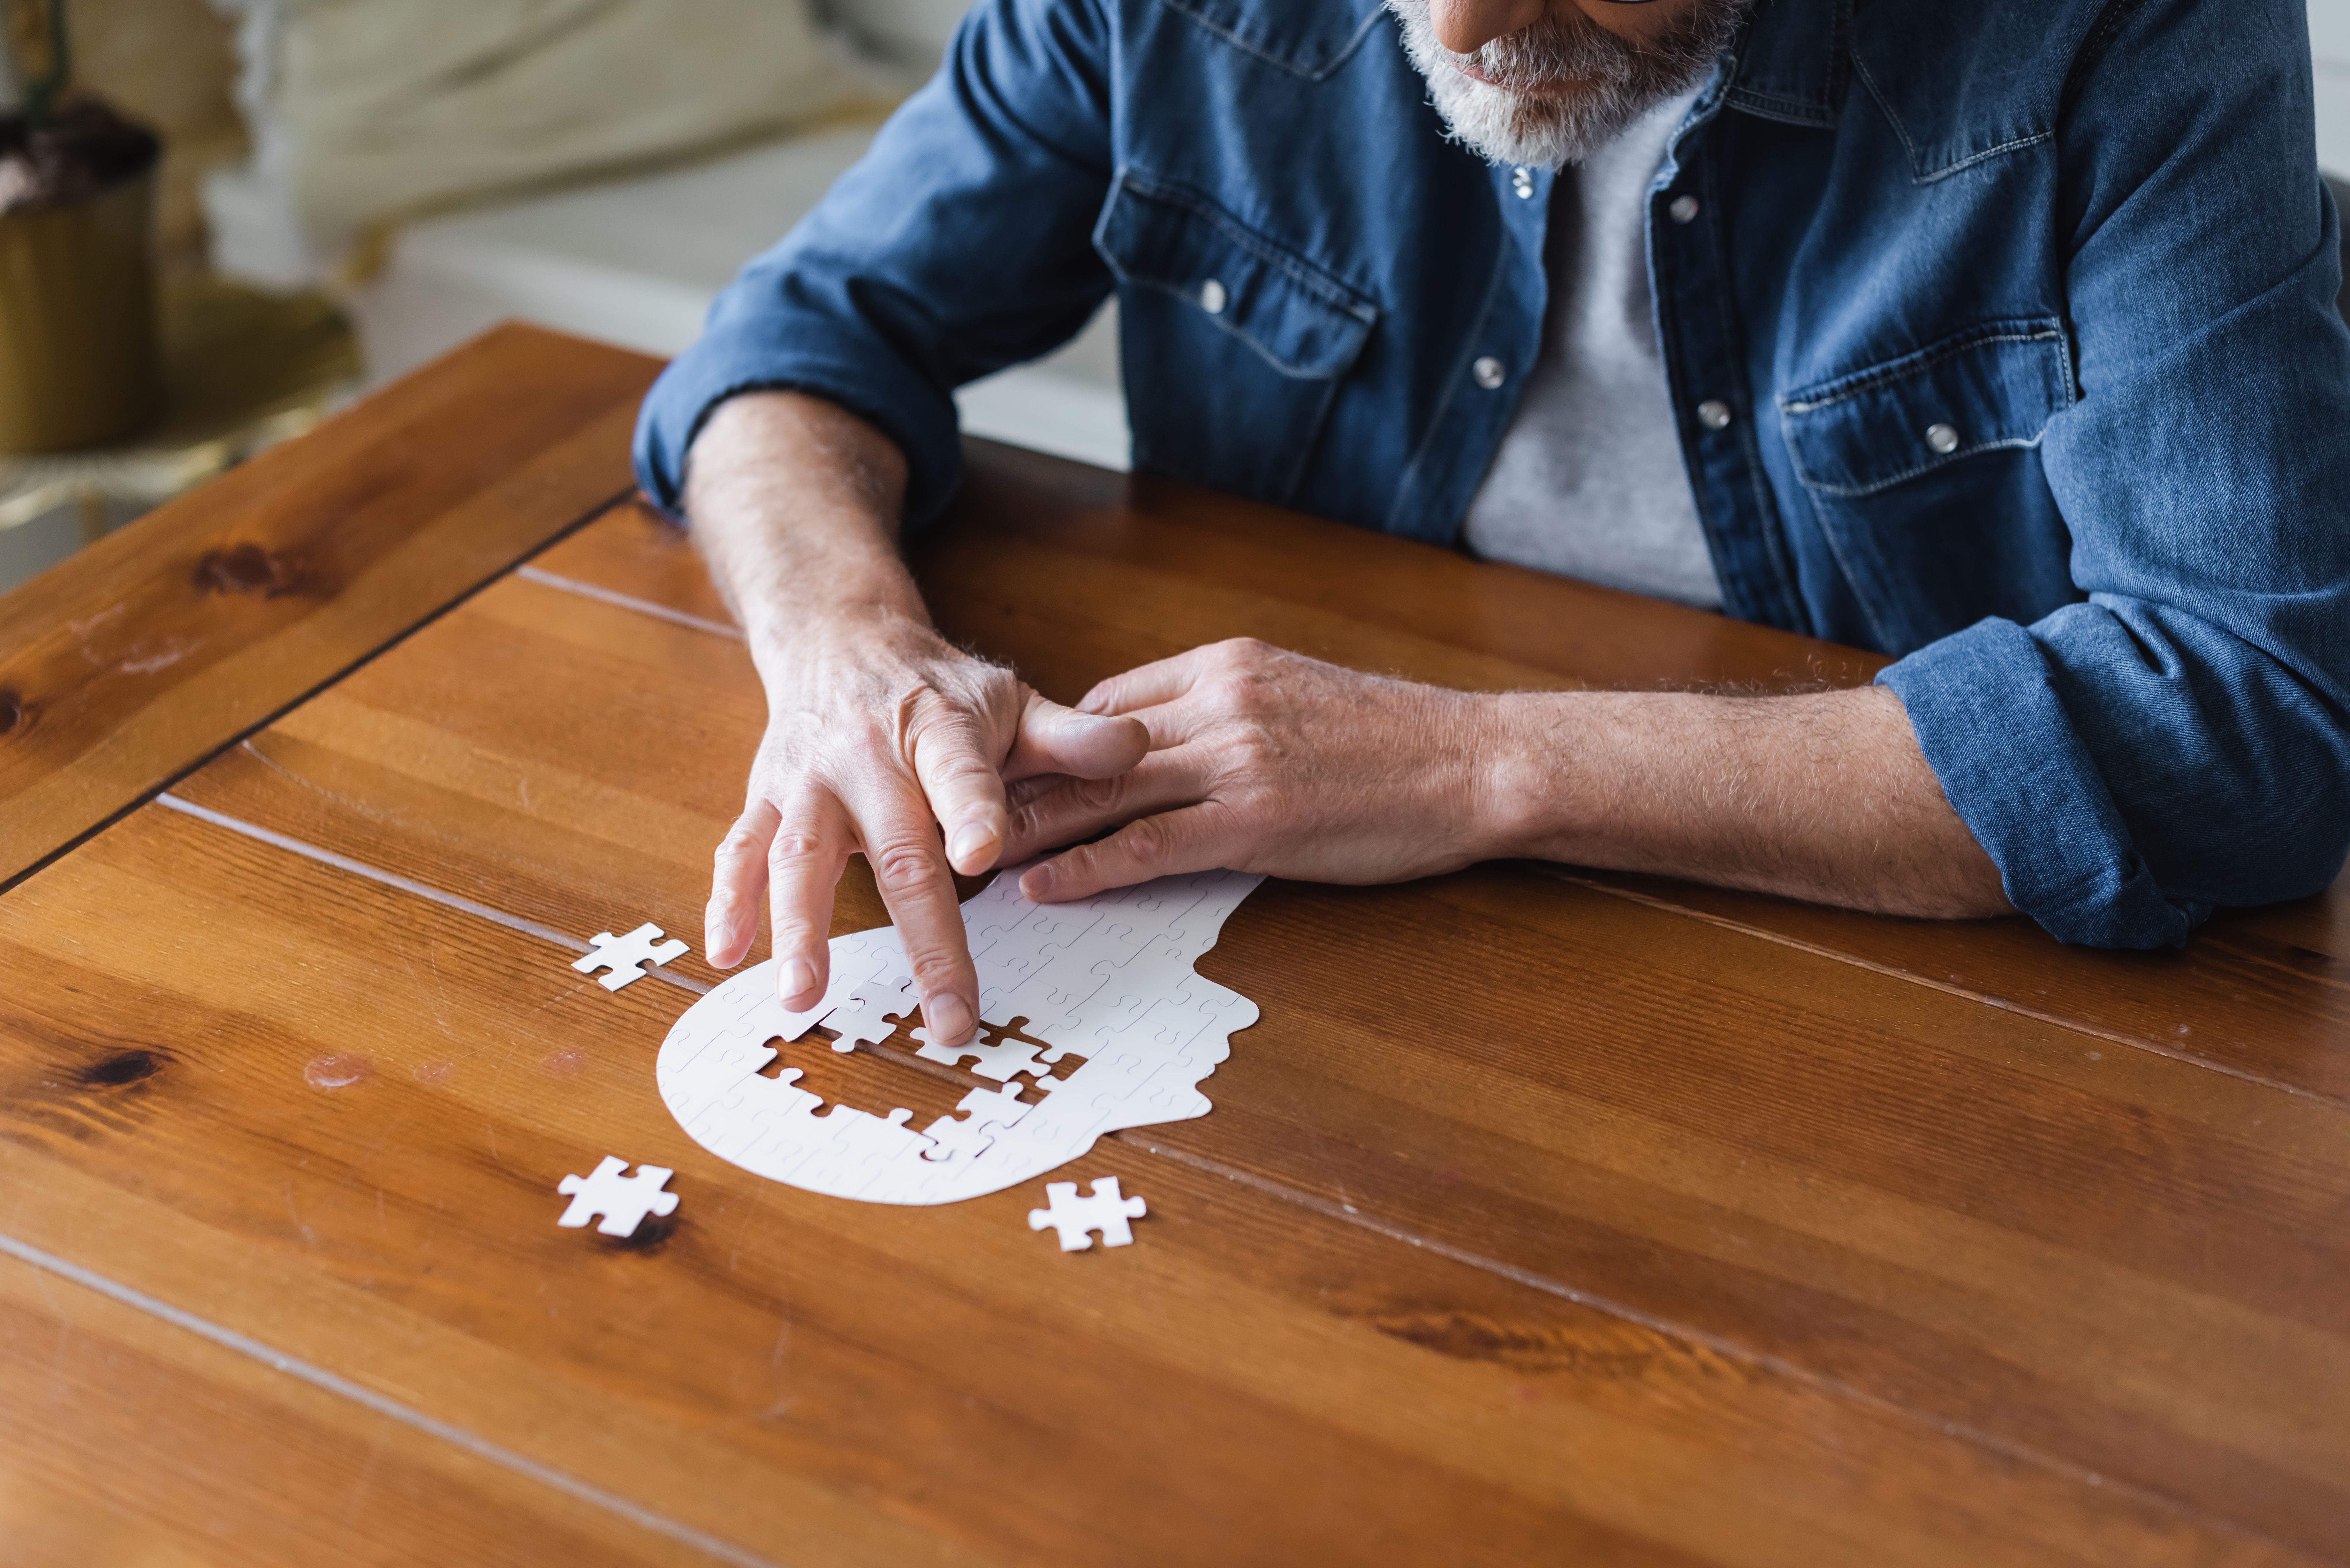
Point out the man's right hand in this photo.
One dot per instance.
(882, 738)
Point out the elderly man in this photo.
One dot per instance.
(1999, 337)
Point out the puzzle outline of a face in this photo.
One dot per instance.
(1111, 981)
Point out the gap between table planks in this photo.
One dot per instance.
(131, 1439)
(2262, 993)
(1496, 628)
(2028, 1331)
(1261, 1382)
(138, 656)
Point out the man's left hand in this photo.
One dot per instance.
(1262, 760)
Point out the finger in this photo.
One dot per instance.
(964, 790)
(805, 860)
(1018, 793)
(738, 876)
(1148, 685)
(1194, 838)
(1083, 808)
(910, 868)
(1057, 740)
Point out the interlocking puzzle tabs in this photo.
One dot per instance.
(1104, 990)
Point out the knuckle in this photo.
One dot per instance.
(959, 769)
(1244, 650)
(793, 848)
(795, 931)
(739, 844)
(1097, 795)
(1150, 842)
(901, 866)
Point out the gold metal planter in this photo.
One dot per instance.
(78, 361)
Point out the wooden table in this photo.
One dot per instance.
(1545, 1217)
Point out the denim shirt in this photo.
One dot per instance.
(2001, 338)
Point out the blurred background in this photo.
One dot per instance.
(347, 188)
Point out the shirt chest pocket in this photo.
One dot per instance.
(1993, 388)
(1234, 345)
(1924, 472)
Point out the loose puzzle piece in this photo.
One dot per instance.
(622, 1200)
(1073, 1216)
(621, 955)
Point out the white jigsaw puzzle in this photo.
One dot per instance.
(622, 955)
(1108, 982)
(622, 1200)
(1073, 1216)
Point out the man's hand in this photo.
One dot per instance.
(1265, 760)
(882, 738)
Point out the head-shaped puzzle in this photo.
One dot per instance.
(1127, 1031)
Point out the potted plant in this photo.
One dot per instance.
(78, 359)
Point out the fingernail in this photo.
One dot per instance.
(948, 1016)
(798, 978)
(1038, 882)
(969, 840)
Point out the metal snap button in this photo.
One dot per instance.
(1943, 439)
(1713, 414)
(1684, 210)
(1489, 372)
(1522, 180)
(1212, 298)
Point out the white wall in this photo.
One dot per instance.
(2329, 41)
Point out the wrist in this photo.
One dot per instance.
(1518, 775)
(859, 632)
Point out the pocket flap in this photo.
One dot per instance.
(1994, 386)
(1304, 322)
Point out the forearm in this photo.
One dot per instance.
(795, 504)
(1824, 797)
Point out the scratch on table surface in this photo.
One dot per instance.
(293, 1212)
(440, 987)
(65, 1323)
(174, 649)
(82, 629)
(364, 1480)
(779, 1370)
(290, 776)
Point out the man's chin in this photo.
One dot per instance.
(1548, 130)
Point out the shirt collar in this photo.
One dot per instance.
(1789, 61)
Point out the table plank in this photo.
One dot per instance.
(136, 658)
(132, 1439)
(1984, 1220)
(1258, 1380)
(2263, 994)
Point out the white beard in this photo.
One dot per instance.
(1615, 84)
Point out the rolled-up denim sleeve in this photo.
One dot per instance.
(957, 246)
(2178, 740)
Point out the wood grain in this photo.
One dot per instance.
(132, 1440)
(1265, 1381)
(136, 657)
(1543, 1217)
(1986, 1221)
(1070, 573)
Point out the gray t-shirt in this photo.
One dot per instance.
(1588, 482)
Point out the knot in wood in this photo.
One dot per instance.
(122, 1068)
(14, 715)
(243, 569)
